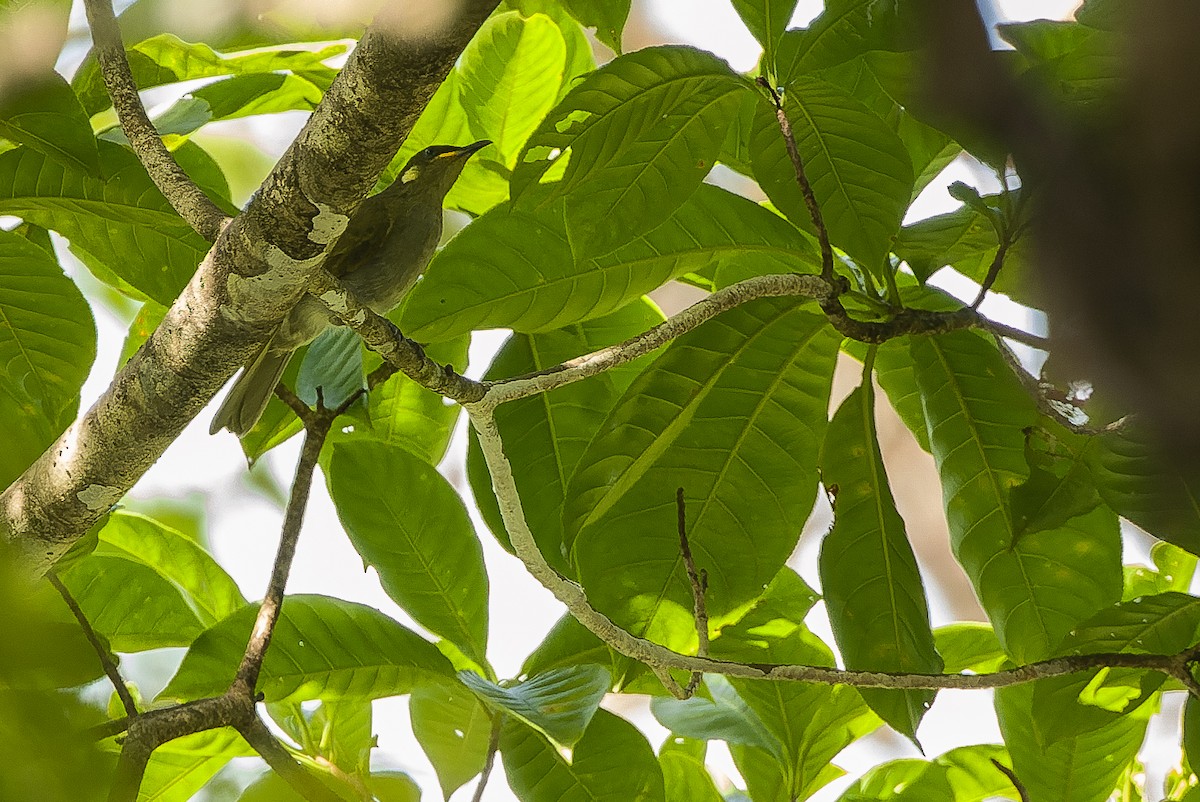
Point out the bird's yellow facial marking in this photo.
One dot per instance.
(410, 175)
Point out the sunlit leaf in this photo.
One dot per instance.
(453, 728)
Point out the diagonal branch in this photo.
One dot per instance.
(188, 199)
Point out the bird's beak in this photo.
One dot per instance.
(467, 151)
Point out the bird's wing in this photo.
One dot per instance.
(370, 225)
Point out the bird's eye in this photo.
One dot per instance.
(427, 153)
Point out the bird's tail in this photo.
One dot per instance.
(250, 393)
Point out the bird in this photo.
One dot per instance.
(388, 242)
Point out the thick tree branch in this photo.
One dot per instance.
(258, 269)
(188, 199)
(282, 763)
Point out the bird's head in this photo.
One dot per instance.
(437, 167)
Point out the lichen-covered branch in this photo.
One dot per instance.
(259, 267)
(187, 199)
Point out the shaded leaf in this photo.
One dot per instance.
(606, 16)
(845, 29)
(180, 768)
(869, 574)
(767, 20)
(969, 646)
(45, 115)
(453, 728)
(558, 703)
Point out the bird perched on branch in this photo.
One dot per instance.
(388, 242)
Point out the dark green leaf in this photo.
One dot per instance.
(961, 238)
(535, 285)
(1191, 731)
(45, 115)
(322, 648)
(47, 336)
(558, 703)
(612, 762)
(733, 413)
(1060, 486)
(1080, 769)
(180, 768)
(421, 542)
(333, 366)
(685, 776)
(671, 107)
(1134, 482)
(859, 170)
(545, 435)
(453, 728)
(569, 643)
(121, 222)
(869, 575)
(845, 29)
(1039, 587)
(966, 774)
(767, 20)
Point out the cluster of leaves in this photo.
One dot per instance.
(594, 195)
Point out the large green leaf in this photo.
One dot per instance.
(640, 134)
(722, 715)
(1134, 481)
(845, 29)
(534, 284)
(47, 336)
(322, 648)
(1080, 769)
(167, 59)
(966, 774)
(147, 585)
(341, 733)
(685, 777)
(453, 727)
(869, 574)
(733, 412)
(45, 115)
(558, 703)
(1038, 587)
(612, 762)
(767, 20)
(510, 76)
(121, 221)
(544, 435)
(409, 523)
(860, 172)
(969, 646)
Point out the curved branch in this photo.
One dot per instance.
(188, 199)
(661, 659)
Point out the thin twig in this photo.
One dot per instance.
(316, 424)
(110, 668)
(993, 272)
(699, 583)
(492, 748)
(280, 760)
(184, 196)
(810, 200)
(1012, 777)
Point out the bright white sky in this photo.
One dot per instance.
(244, 526)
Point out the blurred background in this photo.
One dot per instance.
(202, 482)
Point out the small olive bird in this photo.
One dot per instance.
(388, 242)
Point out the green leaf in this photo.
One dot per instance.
(261, 93)
(1080, 769)
(1060, 486)
(612, 762)
(1135, 483)
(859, 169)
(167, 59)
(148, 585)
(47, 336)
(341, 733)
(122, 222)
(733, 413)
(332, 364)
(869, 574)
(510, 76)
(45, 115)
(685, 776)
(421, 543)
(669, 106)
(725, 717)
(1191, 730)
(962, 238)
(180, 768)
(536, 285)
(969, 646)
(322, 648)
(558, 703)
(453, 727)
(569, 643)
(402, 412)
(606, 16)
(545, 435)
(767, 20)
(1039, 587)
(966, 774)
(845, 29)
